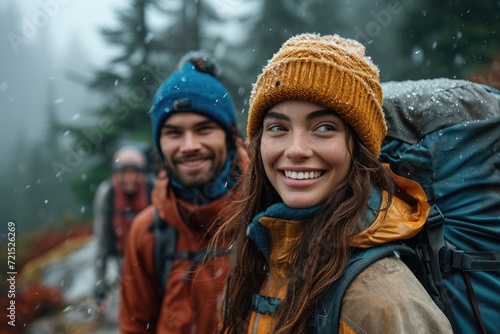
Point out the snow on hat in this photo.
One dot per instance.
(129, 157)
(194, 87)
(328, 70)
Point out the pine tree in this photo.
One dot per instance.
(127, 85)
(54, 193)
(449, 38)
(148, 54)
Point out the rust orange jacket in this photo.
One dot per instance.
(189, 305)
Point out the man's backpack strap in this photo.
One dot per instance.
(150, 184)
(165, 252)
(325, 318)
(201, 256)
(165, 245)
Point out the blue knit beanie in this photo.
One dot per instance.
(194, 87)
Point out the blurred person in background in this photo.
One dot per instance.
(117, 201)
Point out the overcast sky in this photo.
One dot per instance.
(73, 19)
(36, 53)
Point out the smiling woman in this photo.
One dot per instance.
(304, 151)
(315, 194)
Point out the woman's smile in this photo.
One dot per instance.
(305, 152)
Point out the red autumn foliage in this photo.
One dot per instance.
(28, 303)
(33, 300)
(52, 238)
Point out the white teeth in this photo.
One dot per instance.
(193, 163)
(302, 175)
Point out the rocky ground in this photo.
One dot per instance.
(73, 274)
(80, 318)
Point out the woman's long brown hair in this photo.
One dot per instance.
(319, 258)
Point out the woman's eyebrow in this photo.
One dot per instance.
(277, 115)
(321, 113)
(311, 116)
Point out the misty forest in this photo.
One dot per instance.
(59, 131)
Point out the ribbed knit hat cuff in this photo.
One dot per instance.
(343, 90)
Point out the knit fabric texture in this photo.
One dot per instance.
(190, 89)
(328, 70)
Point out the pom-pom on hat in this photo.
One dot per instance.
(129, 157)
(328, 70)
(194, 87)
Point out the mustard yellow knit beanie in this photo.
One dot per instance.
(328, 70)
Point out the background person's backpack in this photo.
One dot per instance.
(445, 135)
(113, 239)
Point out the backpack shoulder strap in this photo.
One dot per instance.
(110, 210)
(326, 314)
(165, 244)
(110, 200)
(165, 252)
(150, 184)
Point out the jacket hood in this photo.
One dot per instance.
(404, 218)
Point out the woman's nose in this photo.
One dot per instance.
(299, 147)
